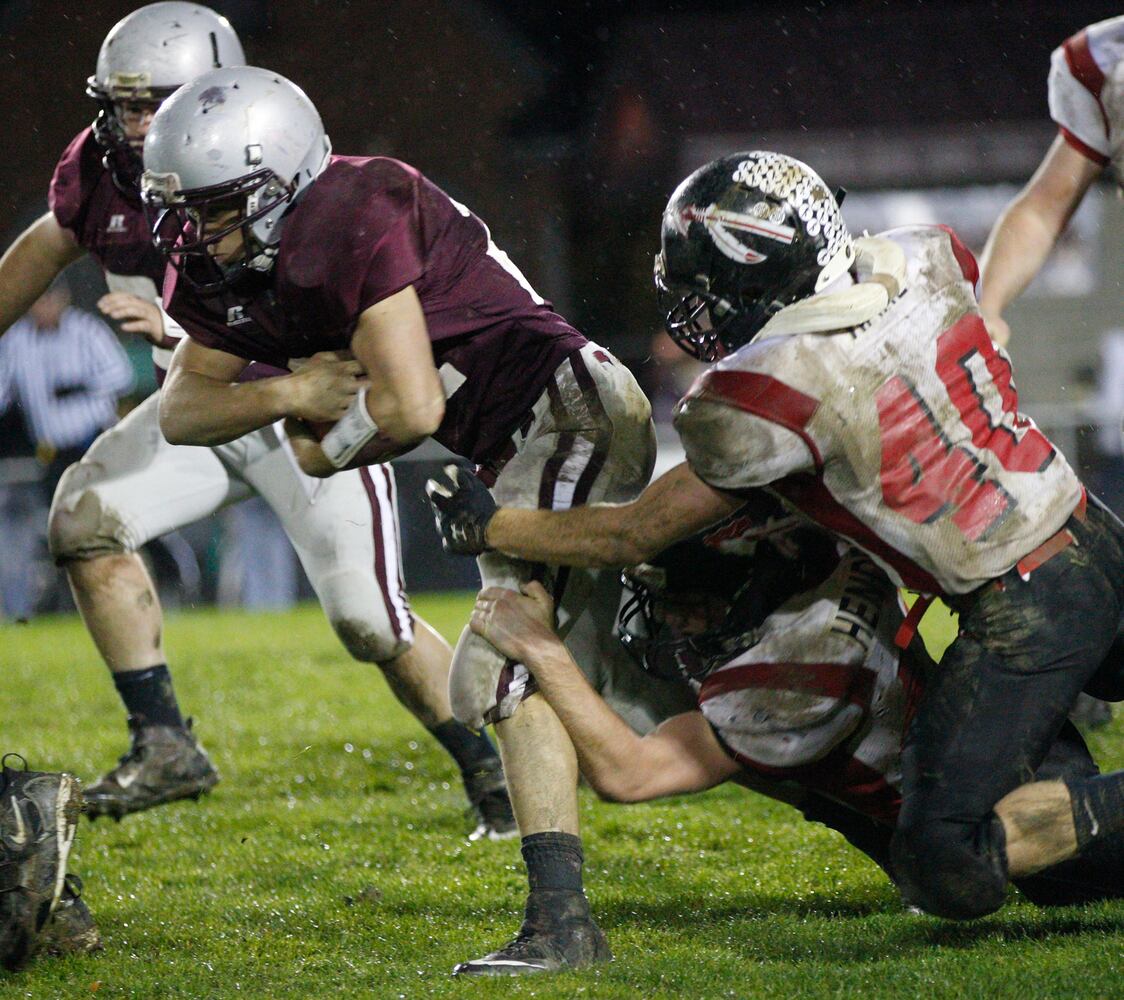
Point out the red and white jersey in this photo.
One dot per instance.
(901, 434)
(823, 698)
(1086, 92)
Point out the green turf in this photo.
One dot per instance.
(332, 859)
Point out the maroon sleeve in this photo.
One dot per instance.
(72, 183)
(359, 239)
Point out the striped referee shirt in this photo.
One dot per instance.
(66, 379)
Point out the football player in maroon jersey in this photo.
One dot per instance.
(856, 380)
(280, 250)
(132, 486)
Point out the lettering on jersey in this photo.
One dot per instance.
(723, 225)
(236, 316)
(116, 224)
(861, 603)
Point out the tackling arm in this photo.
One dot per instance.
(31, 264)
(1026, 232)
(676, 505)
(201, 404)
(681, 756)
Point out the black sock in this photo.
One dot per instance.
(470, 750)
(1098, 806)
(149, 697)
(554, 861)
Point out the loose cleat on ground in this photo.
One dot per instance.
(163, 764)
(558, 933)
(71, 929)
(38, 818)
(489, 803)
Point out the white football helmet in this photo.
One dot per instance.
(144, 59)
(242, 138)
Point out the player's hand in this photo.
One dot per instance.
(462, 507)
(515, 623)
(306, 449)
(136, 315)
(324, 386)
(998, 329)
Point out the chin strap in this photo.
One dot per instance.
(880, 267)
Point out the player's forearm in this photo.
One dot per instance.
(30, 265)
(198, 410)
(598, 535)
(1016, 250)
(614, 759)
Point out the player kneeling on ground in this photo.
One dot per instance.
(856, 380)
(802, 693)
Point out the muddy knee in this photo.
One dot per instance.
(951, 869)
(369, 644)
(82, 528)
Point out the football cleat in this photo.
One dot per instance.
(71, 929)
(558, 933)
(489, 804)
(163, 764)
(38, 817)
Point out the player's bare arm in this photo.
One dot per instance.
(1027, 230)
(679, 757)
(676, 505)
(202, 404)
(31, 264)
(405, 401)
(136, 315)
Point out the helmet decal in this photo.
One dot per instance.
(719, 222)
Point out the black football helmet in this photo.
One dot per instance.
(742, 238)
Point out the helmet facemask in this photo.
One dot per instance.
(122, 154)
(187, 226)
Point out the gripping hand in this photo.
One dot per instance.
(462, 508)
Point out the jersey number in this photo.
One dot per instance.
(924, 476)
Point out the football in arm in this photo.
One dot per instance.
(315, 463)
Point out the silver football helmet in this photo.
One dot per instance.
(144, 59)
(244, 140)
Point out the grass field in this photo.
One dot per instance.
(332, 860)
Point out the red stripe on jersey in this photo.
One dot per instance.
(809, 494)
(964, 257)
(1087, 151)
(763, 396)
(1085, 70)
(843, 778)
(829, 680)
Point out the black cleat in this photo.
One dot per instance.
(164, 763)
(486, 789)
(38, 818)
(558, 933)
(71, 929)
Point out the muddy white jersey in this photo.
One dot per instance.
(901, 434)
(1086, 93)
(822, 698)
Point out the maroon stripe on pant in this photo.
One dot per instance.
(600, 420)
(380, 553)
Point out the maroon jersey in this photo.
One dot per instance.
(106, 223)
(367, 228)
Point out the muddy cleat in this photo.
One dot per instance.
(558, 933)
(70, 929)
(164, 763)
(490, 806)
(38, 818)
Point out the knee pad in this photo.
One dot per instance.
(370, 644)
(950, 869)
(79, 527)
